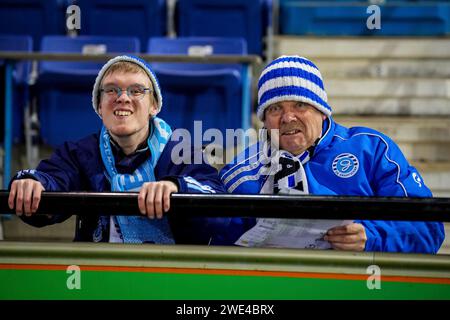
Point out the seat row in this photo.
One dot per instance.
(211, 93)
(249, 19)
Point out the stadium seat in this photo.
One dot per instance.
(211, 93)
(32, 17)
(133, 18)
(226, 18)
(65, 107)
(196, 46)
(21, 75)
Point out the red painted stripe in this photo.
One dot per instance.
(232, 272)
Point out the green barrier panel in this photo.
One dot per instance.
(111, 271)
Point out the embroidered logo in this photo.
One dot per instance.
(345, 165)
(417, 179)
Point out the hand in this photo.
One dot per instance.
(26, 194)
(154, 198)
(351, 237)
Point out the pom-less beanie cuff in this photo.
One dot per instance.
(291, 78)
(133, 59)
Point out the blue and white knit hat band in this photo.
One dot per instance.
(133, 59)
(291, 78)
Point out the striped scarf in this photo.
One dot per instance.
(287, 175)
(137, 229)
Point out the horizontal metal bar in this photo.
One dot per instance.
(18, 55)
(227, 205)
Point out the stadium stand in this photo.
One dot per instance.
(65, 88)
(394, 79)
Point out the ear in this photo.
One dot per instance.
(99, 109)
(153, 109)
(99, 105)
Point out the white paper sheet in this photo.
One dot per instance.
(289, 233)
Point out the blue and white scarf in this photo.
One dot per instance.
(136, 229)
(287, 175)
(285, 172)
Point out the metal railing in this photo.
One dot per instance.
(229, 205)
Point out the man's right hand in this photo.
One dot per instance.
(25, 195)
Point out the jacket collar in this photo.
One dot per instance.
(328, 129)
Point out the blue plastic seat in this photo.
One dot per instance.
(196, 46)
(65, 88)
(21, 75)
(225, 18)
(132, 18)
(32, 17)
(65, 71)
(211, 93)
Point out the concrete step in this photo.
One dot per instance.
(403, 129)
(363, 47)
(392, 88)
(15, 229)
(436, 176)
(428, 151)
(383, 68)
(390, 106)
(419, 138)
(379, 76)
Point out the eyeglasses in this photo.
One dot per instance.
(135, 92)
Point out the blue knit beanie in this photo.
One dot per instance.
(291, 78)
(133, 59)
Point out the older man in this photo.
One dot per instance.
(318, 156)
(131, 153)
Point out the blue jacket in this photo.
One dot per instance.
(78, 166)
(346, 161)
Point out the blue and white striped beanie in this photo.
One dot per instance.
(133, 59)
(291, 78)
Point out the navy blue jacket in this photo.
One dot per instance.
(78, 166)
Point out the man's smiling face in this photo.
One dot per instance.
(126, 116)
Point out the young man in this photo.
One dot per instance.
(131, 153)
(319, 156)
